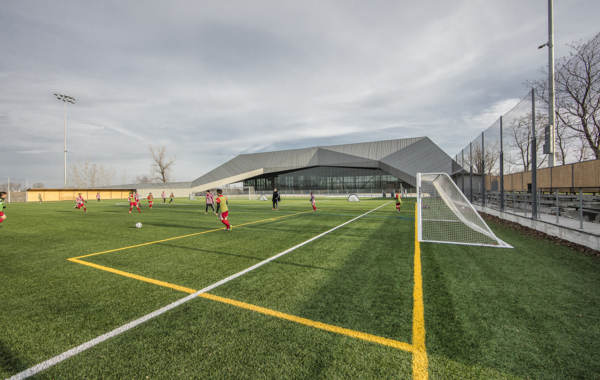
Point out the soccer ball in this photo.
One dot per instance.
(138, 225)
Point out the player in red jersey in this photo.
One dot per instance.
(398, 201)
(150, 198)
(134, 201)
(313, 202)
(2, 206)
(80, 203)
(223, 209)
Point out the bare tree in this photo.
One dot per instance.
(577, 106)
(84, 174)
(521, 139)
(144, 179)
(14, 186)
(564, 135)
(485, 159)
(161, 167)
(583, 152)
(578, 91)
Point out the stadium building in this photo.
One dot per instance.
(370, 167)
(363, 168)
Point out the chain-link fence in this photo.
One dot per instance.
(505, 168)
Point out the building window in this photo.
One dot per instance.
(329, 179)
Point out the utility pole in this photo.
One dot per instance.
(549, 147)
(65, 99)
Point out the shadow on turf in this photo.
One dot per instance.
(372, 290)
(444, 328)
(8, 361)
(244, 256)
(217, 224)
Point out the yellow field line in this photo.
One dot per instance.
(318, 325)
(184, 236)
(420, 361)
(243, 305)
(134, 276)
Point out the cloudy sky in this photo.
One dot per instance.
(210, 80)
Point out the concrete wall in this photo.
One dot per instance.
(575, 236)
(17, 196)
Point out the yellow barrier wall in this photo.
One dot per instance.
(52, 195)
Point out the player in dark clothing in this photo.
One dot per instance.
(276, 198)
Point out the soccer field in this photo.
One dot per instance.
(363, 300)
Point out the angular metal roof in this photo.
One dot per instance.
(402, 158)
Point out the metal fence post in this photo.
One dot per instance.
(580, 209)
(557, 207)
(501, 168)
(462, 168)
(471, 171)
(533, 159)
(483, 195)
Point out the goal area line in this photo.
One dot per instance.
(403, 346)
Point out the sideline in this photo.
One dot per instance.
(420, 361)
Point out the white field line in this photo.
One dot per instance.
(128, 326)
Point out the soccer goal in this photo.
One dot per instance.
(446, 215)
(353, 198)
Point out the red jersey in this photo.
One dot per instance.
(79, 200)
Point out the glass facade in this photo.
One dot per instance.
(329, 179)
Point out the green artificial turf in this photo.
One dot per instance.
(527, 312)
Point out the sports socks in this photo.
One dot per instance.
(226, 223)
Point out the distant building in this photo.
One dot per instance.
(364, 167)
(370, 167)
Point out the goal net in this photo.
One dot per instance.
(353, 198)
(447, 216)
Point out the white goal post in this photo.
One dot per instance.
(446, 215)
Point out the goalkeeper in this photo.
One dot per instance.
(398, 201)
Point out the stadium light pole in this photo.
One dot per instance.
(65, 99)
(551, 93)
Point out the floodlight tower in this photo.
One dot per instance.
(551, 129)
(65, 99)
